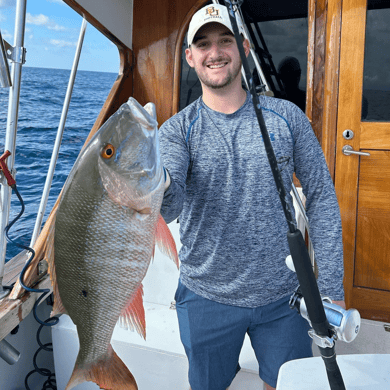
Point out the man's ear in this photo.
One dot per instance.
(189, 57)
(246, 45)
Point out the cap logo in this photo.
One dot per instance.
(212, 11)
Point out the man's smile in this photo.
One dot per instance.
(217, 66)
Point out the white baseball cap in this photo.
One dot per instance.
(216, 13)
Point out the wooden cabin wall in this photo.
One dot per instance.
(323, 71)
(147, 72)
(156, 31)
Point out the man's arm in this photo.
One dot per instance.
(175, 157)
(321, 207)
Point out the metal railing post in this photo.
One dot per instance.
(60, 132)
(12, 121)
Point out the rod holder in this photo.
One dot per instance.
(5, 77)
(4, 291)
(8, 352)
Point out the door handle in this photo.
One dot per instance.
(348, 150)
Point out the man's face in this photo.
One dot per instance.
(214, 55)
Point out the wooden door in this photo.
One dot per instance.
(363, 182)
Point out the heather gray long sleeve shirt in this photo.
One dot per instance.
(232, 226)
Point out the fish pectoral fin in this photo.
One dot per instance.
(165, 241)
(108, 372)
(133, 315)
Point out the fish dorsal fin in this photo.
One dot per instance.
(165, 241)
(133, 315)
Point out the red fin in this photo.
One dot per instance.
(133, 315)
(109, 372)
(165, 240)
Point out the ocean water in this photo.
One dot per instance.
(41, 99)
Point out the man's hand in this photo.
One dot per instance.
(340, 303)
(167, 179)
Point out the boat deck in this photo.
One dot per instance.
(157, 363)
(13, 311)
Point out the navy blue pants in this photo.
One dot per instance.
(213, 334)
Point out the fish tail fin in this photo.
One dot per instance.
(165, 241)
(108, 372)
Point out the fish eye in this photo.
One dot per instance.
(108, 151)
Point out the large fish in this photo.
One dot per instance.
(107, 224)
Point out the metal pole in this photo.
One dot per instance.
(60, 131)
(244, 31)
(8, 353)
(303, 212)
(5, 77)
(12, 120)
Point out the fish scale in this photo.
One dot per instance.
(103, 244)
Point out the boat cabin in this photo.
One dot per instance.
(330, 57)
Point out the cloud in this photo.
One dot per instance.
(6, 35)
(60, 43)
(43, 20)
(2, 17)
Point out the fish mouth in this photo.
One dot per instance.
(131, 188)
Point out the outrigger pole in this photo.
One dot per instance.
(323, 333)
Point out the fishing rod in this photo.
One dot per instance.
(322, 334)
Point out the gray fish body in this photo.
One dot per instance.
(105, 226)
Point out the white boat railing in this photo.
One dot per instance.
(18, 59)
(12, 118)
(60, 132)
(17, 56)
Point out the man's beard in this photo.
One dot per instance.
(219, 84)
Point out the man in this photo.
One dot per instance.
(233, 277)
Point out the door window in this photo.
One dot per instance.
(376, 76)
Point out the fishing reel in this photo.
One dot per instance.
(344, 324)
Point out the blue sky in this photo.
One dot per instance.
(52, 31)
